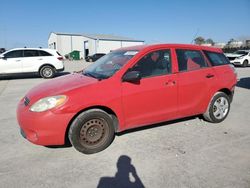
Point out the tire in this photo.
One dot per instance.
(218, 108)
(47, 72)
(92, 131)
(245, 63)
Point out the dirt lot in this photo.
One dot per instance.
(183, 153)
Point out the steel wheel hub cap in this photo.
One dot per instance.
(93, 132)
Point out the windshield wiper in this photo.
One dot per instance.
(99, 77)
(89, 74)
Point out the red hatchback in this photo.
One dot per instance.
(128, 88)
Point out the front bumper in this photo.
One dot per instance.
(42, 128)
(236, 62)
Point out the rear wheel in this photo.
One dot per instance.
(245, 63)
(47, 72)
(92, 131)
(218, 108)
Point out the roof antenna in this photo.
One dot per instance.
(195, 35)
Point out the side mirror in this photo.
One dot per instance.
(131, 76)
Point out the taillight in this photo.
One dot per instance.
(60, 58)
(234, 70)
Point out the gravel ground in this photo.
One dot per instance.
(183, 153)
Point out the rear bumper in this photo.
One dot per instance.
(60, 70)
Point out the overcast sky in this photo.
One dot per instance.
(29, 22)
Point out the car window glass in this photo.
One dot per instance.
(30, 53)
(154, 64)
(43, 53)
(14, 54)
(189, 60)
(216, 59)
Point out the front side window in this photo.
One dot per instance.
(109, 64)
(154, 64)
(30, 53)
(189, 60)
(216, 59)
(14, 54)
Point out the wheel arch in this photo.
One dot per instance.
(228, 92)
(99, 107)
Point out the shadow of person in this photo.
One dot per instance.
(125, 176)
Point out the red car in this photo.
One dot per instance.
(128, 88)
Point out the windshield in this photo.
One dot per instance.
(109, 64)
(241, 52)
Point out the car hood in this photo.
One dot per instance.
(233, 55)
(59, 86)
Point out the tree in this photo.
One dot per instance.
(210, 41)
(199, 40)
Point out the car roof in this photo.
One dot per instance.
(46, 49)
(52, 51)
(153, 46)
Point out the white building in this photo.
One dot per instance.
(220, 44)
(87, 44)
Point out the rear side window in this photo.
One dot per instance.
(30, 53)
(216, 59)
(14, 54)
(189, 60)
(43, 53)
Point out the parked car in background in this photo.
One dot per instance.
(128, 88)
(240, 57)
(45, 62)
(94, 57)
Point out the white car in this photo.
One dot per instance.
(240, 57)
(45, 62)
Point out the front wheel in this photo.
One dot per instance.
(218, 108)
(92, 131)
(245, 63)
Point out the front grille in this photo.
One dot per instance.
(26, 101)
(231, 58)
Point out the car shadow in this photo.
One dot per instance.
(125, 172)
(244, 83)
(29, 76)
(151, 126)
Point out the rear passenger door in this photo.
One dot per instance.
(195, 81)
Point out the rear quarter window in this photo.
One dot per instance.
(43, 53)
(216, 59)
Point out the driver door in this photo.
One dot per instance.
(154, 98)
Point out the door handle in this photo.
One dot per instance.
(170, 82)
(40, 59)
(18, 60)
(209, 75)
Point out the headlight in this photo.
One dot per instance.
(240, 57)
(48, 103)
